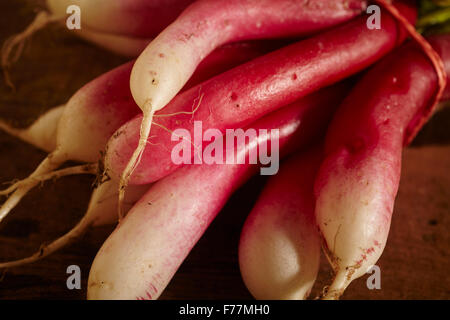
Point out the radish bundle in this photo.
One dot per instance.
(172, 57)
(172, 135)
(230, 100)
(279, 249)
(102, 106)
(358, 180)
(160, 230)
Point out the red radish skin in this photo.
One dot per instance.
(358, 180)
(42, 133)
(279, 249)
(171, 58)
(98, 109)
(161, 229)
(206, 25)
(243, 94)
(442, 47)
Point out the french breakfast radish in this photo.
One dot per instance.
(241, 95)
(99, 108)
(141, 256)
(279, 248)
(168, 62)
(358, 180)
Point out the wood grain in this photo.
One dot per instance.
(55, 64)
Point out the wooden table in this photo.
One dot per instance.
(55, 64)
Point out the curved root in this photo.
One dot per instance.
(90, 168)
(14, 132)
(57, 244)
(17, 42)
(53, 161)
(337, 288)
(135, 159)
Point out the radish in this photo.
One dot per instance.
(124, 27)
(42, 133)
(358, 180)
(171, 58)
(241, 95)
(143, 253)
(279, 249)
(93, 114)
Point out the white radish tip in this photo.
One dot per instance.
(341, 281)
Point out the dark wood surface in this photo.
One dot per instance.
(55, 64)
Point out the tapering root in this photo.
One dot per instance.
(90, 168)
(337, 288)
(13, 47)
(146, 126)
(49, 164)
(15, 132)
(47, 249)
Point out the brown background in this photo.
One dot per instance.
(55, 64)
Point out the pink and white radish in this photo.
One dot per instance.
(160, 230)
(171, 58)
(358, 180)
(279, 249)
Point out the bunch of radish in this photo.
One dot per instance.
(337, 97)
